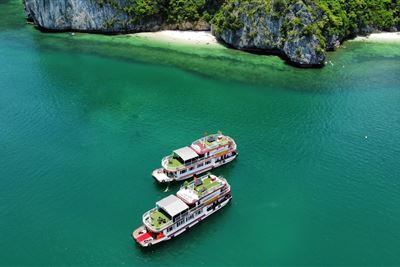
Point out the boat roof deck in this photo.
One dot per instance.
(158, 218)
(208, 183)
(174, 163)
(209, 142)
(223, 141)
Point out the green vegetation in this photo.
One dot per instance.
(344, 18)
(339, 18)
(325, 19)
(331, 17)
(230, 14)
(169, 11)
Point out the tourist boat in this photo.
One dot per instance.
(202, 155)
(175, 214)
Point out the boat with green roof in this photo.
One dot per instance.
(174, 214)
(204, 154)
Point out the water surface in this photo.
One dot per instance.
(85, 119)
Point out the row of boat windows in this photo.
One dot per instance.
(170, 174)
(198, 166)
(193, 161)
(187, 219)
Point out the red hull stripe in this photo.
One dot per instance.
(143, 237)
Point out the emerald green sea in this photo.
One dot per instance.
(84, 120)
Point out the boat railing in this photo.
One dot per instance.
(165, 160)
(232, 142)
(146, 218)
(214, 188)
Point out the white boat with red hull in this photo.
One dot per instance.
(175, 214)
(202, 155)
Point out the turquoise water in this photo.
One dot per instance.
(85, 119)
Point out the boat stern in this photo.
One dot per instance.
(160, 176)
(143, 237)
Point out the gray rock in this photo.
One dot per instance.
(89, 16)
(264, 32)
(332, 42)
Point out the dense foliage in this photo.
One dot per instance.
(341, 18)
(172, 11)
(338, 18)
(344, 17)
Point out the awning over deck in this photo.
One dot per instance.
(172, 205)
(186, 153)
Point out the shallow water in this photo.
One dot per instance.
(85, 119)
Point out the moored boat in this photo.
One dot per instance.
(202, 155)
(175, 214)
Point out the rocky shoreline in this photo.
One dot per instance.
(293, 34)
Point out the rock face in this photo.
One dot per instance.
(96, 16)
(289, 35)
(299, 30)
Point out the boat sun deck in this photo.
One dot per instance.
(195, 190)
(207, 184)
(166, 209)
(173, 163)
(214, 140)
(158, 219)
(210, 142)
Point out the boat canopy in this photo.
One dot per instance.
(172, 205)
(186, 153)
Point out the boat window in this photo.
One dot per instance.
(208, 162)
(201, 164)
(191, 168)
(183, 171)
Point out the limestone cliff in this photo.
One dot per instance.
(266, 31)
(116, 16)
(299, 30)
